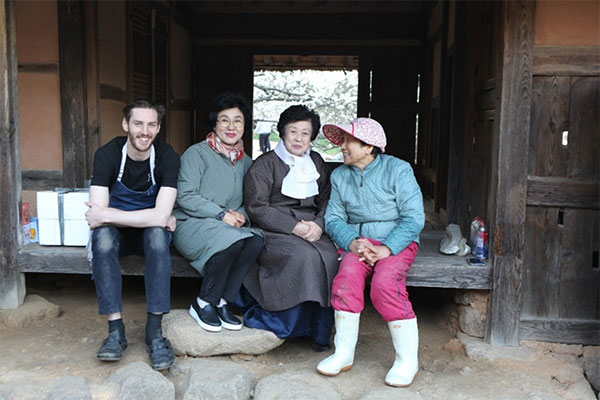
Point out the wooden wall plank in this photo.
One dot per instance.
(567, 331)
(72, 93)
(563, 192)
(511, 189)
(580, 281)
(549, 118)
(12, 283)
(543, 261)
(584, 132)
(566, 60)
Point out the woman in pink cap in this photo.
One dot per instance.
(375, 214)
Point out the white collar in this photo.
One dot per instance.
(301, 181)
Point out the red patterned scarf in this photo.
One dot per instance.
(232, 153)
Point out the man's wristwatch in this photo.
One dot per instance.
(221, 215)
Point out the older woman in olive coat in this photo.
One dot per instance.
(213, 230)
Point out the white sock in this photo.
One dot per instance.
(201, 302)
(222, 302)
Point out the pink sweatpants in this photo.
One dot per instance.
(388, 285)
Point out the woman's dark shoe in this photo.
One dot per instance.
(112, 347)
(161, 354)
(318, 347)
(228, 318)
(206, 317)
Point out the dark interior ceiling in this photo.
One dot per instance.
(315, 26)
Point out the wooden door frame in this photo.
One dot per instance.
(509, 194)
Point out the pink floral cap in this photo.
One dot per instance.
(365, 129)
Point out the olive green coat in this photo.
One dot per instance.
(208, 183)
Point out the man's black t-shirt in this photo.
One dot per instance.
(136, 175)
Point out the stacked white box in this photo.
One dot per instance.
(48, 222)
(76, 228)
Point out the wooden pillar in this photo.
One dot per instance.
(364, 85)
(456, 142)
(92, 85)
(511, 144)
(73, 92)
(12, 283)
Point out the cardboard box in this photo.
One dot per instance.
(48, 224)
(76, 228)
(61, 217)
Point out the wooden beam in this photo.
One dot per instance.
(511, 186)
(561, 331)
(72, 92)
(427, 271)
(303, 6)
(37, 179)
(317, 62)
(39, 68)
(562, 192)
(312, 43)
(566, 60)
(12, 283)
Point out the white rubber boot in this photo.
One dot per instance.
(405, 336)
(346, 335)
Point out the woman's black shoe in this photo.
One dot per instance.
(228, 319)
(206, 316)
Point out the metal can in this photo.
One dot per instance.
(481, 247)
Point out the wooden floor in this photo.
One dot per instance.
(430, 269)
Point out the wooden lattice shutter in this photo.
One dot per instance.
(141, 52)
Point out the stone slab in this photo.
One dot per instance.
(190, 339)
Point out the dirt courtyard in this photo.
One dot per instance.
(66, 346)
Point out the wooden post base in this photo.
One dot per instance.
(12, 290)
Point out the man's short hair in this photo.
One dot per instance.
(143, 103)
(299, 113)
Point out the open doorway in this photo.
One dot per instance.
(327, 84)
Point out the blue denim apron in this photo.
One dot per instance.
(125, 199)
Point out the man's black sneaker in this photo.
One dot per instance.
(112, 347)
(206, 316)
(161, 353)
(228, 319)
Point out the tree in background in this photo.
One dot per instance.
(333, 94)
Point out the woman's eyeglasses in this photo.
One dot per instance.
(224, 122)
